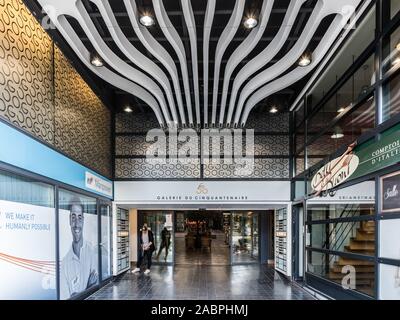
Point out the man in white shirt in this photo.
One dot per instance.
(79, 266)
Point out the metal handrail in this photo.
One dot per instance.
(334, 231)
(349, 212)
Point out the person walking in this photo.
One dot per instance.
(165, 243)
(146, 244)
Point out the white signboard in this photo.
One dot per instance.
(98, 184)
(360, 193)
(27, 252)
(198, 192)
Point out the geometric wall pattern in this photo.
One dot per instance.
(265, 168)
(60, 110)
(26, 71)
(271, 150)
(82, 122)
(141, 169)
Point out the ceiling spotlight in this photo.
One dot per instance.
(305, 60)
(337, 136)
(96, 60)
(147, 20)
(250, 23)
(338, 133)
(273, 110)
(128, 109)
(341, 110)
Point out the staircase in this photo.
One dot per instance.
(362, 243)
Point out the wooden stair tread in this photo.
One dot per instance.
(359, 269)
(345, 262)
(363, 240)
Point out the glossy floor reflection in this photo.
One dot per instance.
(203, 283)
(217, 255)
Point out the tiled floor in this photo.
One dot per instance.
(218, 255)
(199, 282)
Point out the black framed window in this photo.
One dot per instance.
(341, 237)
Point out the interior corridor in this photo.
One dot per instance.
(199, 282)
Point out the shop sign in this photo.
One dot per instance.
(358, 161)
(336, 172)
(390, 193)
(378, 155)
(98, 184)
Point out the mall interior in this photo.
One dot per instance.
(107, 110)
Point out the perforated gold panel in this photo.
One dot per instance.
(26, 72)
(61, 110)
(83, 123)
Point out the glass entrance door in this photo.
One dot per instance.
(161, 224)
(105, 241)
(245, 237)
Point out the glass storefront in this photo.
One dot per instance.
(78, 220)
(29, 235)
(341, 237)
(161, 224)
(27, 239)
(349, 273)
(245, 237)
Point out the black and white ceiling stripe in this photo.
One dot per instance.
(208, 70)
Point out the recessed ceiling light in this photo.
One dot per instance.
(147, 20)
(273, 110)
(250, 23)
(128, 109)
(341, 110)
(337, 136)
(305, 60)
(96, 60)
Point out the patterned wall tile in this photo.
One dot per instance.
(268, 122)
(83, 123)
(142, 169)
(26, 72)
(62, 110)
(271, 145)
(136, 145)
(132, 122)
(263, 169)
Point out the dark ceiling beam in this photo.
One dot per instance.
(202, 12)
(214, 39)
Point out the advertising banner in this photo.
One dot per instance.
(27, 252)
(78, 251)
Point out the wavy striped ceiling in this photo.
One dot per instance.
(198, 66)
